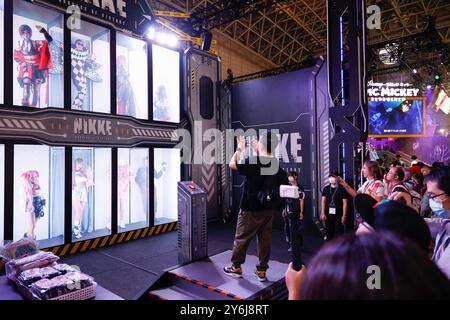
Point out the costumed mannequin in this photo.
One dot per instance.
(82, 180)
(83, 69)
(126, 103)
(141, 180)
(34, 59)
(160, 106)
(124, 178)
(34, 203)
(158, 174)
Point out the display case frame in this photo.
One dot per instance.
(57, 127)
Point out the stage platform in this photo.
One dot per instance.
(205, 280)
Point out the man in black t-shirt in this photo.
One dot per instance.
(259, 202)
(334, 207)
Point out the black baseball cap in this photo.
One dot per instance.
(393, 216)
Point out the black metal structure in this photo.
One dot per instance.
(346, 82)
(201, 107)
(192, 235)
(276, 71)
(220, 13)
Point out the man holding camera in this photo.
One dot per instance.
(259, 202)
(334, 207)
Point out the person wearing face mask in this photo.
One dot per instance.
(292, 177)
(438, 188)
(334, 207)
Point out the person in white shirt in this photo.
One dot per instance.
(373, 186)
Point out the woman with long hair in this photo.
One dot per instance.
(124, 177)
(81, 182)
(34, 204)
(373, 186)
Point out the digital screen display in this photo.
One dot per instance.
(396, 118)
(91, 193)
(167, 164)
(133, 188)
(39, 194)
(166, 84)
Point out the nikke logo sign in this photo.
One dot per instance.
(133, 15)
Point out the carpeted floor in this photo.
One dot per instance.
(130, 268)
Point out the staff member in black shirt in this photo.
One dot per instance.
(259, 202)
(292, 176)
(334, 207)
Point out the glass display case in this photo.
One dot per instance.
(90, 68)
(132, 79)
(2, 191)
(167, 165)
(50, 195)
(38, 79)
(133, 188)
(166, 84)
(91, 193)
(39, 194)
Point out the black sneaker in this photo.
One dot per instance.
(261, 275)
(233, 272)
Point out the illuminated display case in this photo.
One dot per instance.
(132, 78)
(90, 68)
(81, 168)
(133, 188)
(91, 196)
(39, 194)
(38, 64)
(166, 84)
(167, 164)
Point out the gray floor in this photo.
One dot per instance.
(129, 268)
(210, 272)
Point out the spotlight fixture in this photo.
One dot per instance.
(167, 39)
(163, 38)
(414, 70)
(151, 33)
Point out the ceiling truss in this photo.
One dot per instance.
(290, 31)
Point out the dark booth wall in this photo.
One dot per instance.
(284, 102)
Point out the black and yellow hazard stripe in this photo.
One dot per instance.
(111, 240)
(192, 79)
(154, 296)
(107, 241)
(206, 286)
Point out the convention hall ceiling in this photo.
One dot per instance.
(286, 32)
